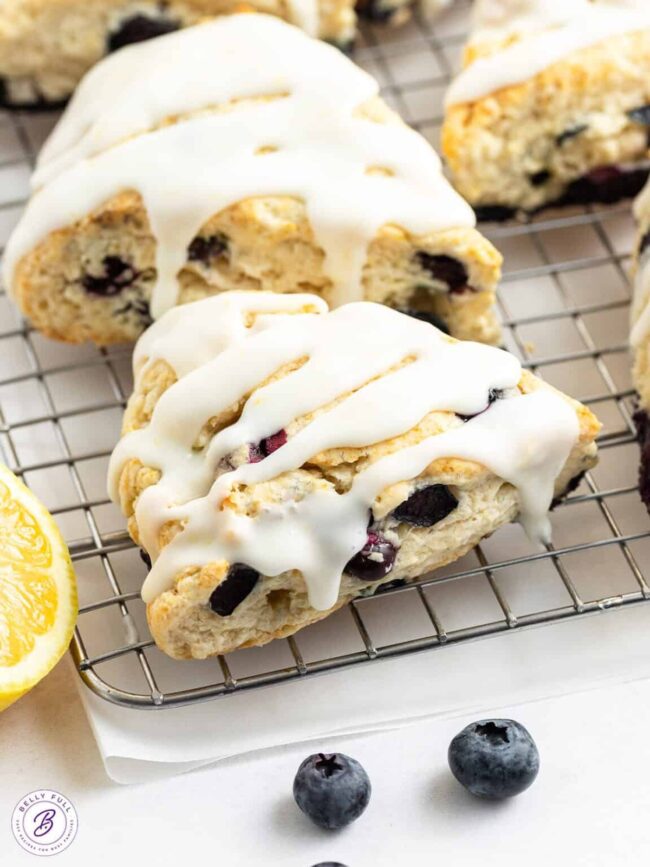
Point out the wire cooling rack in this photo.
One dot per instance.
(564, 307)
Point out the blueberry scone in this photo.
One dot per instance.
(640, 337)
(258, 159)
(553, 105)
(279, 460)
(46, 46)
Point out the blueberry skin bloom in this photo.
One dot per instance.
(333, 790)
(494, 759)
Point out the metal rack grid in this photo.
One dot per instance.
(565, 291)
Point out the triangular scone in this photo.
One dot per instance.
(240, 154)
(640, 337)
(46, 46)
(553, 105)
(279, 460)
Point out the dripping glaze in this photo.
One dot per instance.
(354, 351)
(547, 31)
(292, 129)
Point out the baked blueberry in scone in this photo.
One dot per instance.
(552, 106)
(640, 337)
(279, 460)
(46, 46)
(259, 159)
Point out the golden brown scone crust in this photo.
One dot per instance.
(181, 620)
(514, 148)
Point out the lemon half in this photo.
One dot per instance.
(38, 591)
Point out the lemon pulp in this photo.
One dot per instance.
(38, 599)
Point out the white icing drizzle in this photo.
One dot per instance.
(524, 439)
(641, 305)
(547, 31)
(187, 341)
(189, 171)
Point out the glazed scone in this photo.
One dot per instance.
(46, 46)
(279, 460)
(259, 159)
(553, 105)
(640, 338)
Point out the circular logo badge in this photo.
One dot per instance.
(44, 822)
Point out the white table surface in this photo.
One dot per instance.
(589, 805)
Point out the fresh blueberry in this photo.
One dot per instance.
(425, 316)
(139, 28)
(494, 758)
(207, 250)
(239, 583)
(333, 790)
(444, 268)
(570, 132)
(426, 506)
(640, 115)
(375, 560)
(258, 451)
(118, 275)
